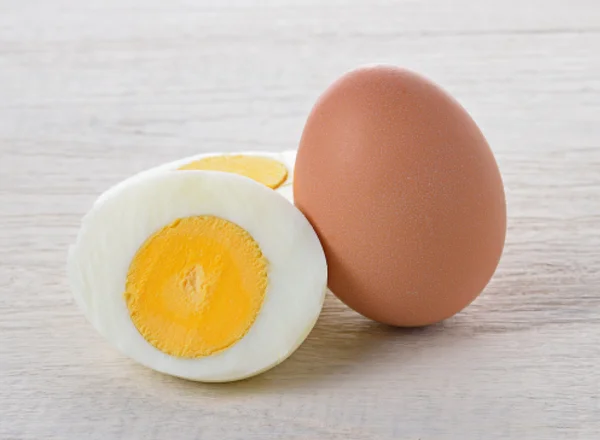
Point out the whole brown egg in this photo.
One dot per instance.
(404, 193)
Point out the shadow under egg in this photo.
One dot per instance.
(341, 341)
(342, 345)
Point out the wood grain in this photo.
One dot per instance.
(91, 92)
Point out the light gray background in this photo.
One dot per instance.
(93, 91)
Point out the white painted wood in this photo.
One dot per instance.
(91, 92)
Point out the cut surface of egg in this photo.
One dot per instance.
(273, 169)
(204, 275)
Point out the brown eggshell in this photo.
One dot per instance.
(404, 193)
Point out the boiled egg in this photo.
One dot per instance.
(202, 274)
(405, 193)
(273, 169)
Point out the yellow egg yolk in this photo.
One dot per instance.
(196, 286)
(265, 170)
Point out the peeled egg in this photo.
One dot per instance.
(404, 193)
(273, 169)
(204, 275)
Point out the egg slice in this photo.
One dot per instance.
(273, 169)
(204, 275)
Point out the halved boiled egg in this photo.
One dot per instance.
(205, 275)
(273, 169)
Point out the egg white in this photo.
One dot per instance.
(127, 214)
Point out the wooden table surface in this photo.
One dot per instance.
(93, 91)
